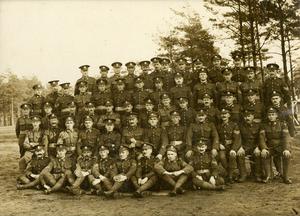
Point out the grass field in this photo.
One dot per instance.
(248, 198)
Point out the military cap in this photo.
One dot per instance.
(201, 112)
(182, 99)
(147, 145)
(37, 86)
(273, 66)
(178, 74)
(65, 85)
(130, 64)
(86, 148)
(171, 148)
(251, 92)
(197, 61)
(275, 93)
(155, 59)
(120, 81)
(202, 70)
(249, 68)
(88, 118)
(53, 82)
(35, 118)
(248, 111)
(26, 106)
(272, 110)
(224, 111)
(174, 113)
(39, 148)
(206, 95)
(72, 104)
(126, 103)
(165, 61)
(144, 63)
(227, 93)
(138, 80)
(101, 81)
(148, 101)
(109, 121)
(103, 147)
(69, 118)
(48, 104)
(116, 64)
(84, 67)
(52, 116)
(181, 61)
(103, 68)
(236, 55)
(226, 70)
(89, 104)
(61, 147)
(153, 115)
(157, 79)
(132, 115)
(123, 148)
(216, 57)
(165, 96)
(108, 103)
(82, 83)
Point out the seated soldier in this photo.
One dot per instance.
(205, 174)
(145, 177)
(173, 170)
(31, 177)
(58, 172)
(126, 167)
(103, 171)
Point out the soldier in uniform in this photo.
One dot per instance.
(128, 110)
(182, 69)
(51, 136)
(254, 104)
(120, 95)
(53, 95)
(173, 170)
(89, 111)
(238, 71)
(116, 66)
(129, 79)
(274, 143)
(82, 97)
(83, 171)
(89, 136)
(231, 106)
(126, 168)
(32, 139)
(157, 92)
(165, 110)
(147, 79)
(187, 113)
(166, 74)
(213, 113)
(23, 125)
(104, 171)
(47, 112)
(30, 178)
(215, 74)
(63, 100)
(180, 90)
(139, 95)
(110, 138)
(37, 101)
(104, 72)
(157, 67)
(100, 97)
(145, 177)
(91, 82)
(109, 114)
(230, 143)
(143, 116)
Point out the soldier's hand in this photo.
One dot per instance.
(178, 173)
(212, 180)
(77, 173)
(144, 180)
(96, 181)
(132, 140)
(241, 152)
(84, 173)
(199, 177)
(214, 153)
(287, 153)
(222, 147)
(264, 153)
(159, 156)
(189, 153)
(167, 173)
(101, 177)
(132, 145)
(232, 153)
(139, 181)
(117, 178)
(123, 178)
(256, 152)
(34, 176)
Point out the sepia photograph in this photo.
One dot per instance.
(150, 107)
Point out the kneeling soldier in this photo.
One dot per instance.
(173, 170)
(31, 177)
(145, 177)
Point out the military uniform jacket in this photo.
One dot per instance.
(156, 97)
(86, 163)
(138, 98)
(249, 135)
(106, 167)
(171, 166)
(133, 132)
(119, 97)
(81, 99)
(23, 125)
(238, 75)
(234, 111)
(157, 136)
(258, 109)
(285, 115)
(126, 167)
(33, 136)
(164, 113)
(69, 139)
(203, 163)
(205, 132)
(253, 85)
(176, 133)
(88, 137)
(50, 137)
(275, 84)
(201, 89)
(99, 99)
(63, 101)
(90, 81)
(52, 97)
(187, 116)
(274, 135)
(111, 139)
(37, 103)
(215, 75)
(229, 135)
(181, 91)
(59, 166)
(145, 167)
(129, 82)
(36, 165)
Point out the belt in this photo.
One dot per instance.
(52, 145)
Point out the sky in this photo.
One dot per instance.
(51, 38)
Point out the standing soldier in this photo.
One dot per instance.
(181, 68)
(213, 113)
(120, 95)
(23, 125)
(37, 101)
(109, 114)
(82, 97)
(166, 73)
(186, 112)
(238, 71)
(165, 110)
(139, 95)
(157, 92)
(85, 77)
(274, 143)
(215, 74)
(251, 102)
(47, 112)
(231, 106)
(180, 90)
(116, 67)
(53, 95)
(145, 66)
(129, 79)
(104, 72)
(100, 96)
(157, 67)
(63, 100)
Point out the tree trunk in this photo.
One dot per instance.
(251, 6)
(241, 32)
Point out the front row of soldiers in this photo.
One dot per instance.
(200, 156)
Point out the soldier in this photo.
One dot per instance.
(120, 95)
(157, 67)
(154, 134)
(104, 72)
(82, 97)
(230, 143)
(173, 170)
(205, 175)
(165, 110)
(104, 171)
(167, 75)
(139, 95)
(37, 101)
(89, 136)
(100, 97)
(143, 116)
(176, 134)
(254, 104)
(231, 106)
(51, 136)
(181, 68)
(250, 146)
(212, 112)
(109, 114)
(53, 95)
(32, 139)
(70, 111)
(116, 67)
(89, 111)
(23, 125)
(274, 143)
(63, 100)
(157, 92)
(238, 72)
(126, 168)
(187, 114)
(30, 178)
(58, 172)
(215, 74)
(129, 79)
(202, 132)
(85, 77)
(83, 171)
(274, 83)
(128, 110)
(47, 112)
(145, 177)
(180, 90)
(110, 138)
(147, 79)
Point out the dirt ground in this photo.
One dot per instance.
(242, 199)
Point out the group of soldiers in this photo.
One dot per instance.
(165, 128)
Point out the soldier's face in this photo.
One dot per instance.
(91, 109)
(103, 153)
(276, 100)
(203, 76)
(251, 75)
(171, 155)
(272, 116)
(133, 121)
(109, 108)
(201, 118)
(147, 152)
(36, 124)
(103, 73)
(229, 99)
(25, 111)
(251, 98)
(166, 101)
(88, 124)
(207, 101)
(69, 124)
(128, 108)
(121, 86)
(55, 88)
(165, 67)
(153, 121)
(156, 65)
(249, 118)
(38, 91)
(117, 70)
(139, 85)
(109, 127)
(201, 148)
(175, 119)
(197, 66)
(217, 62)
(178, 80)
(149, 107)
(82, 89)
(228, 76)
(272, 73)
(72, 109)
(225, 116)
(84, 73)
(53, 122)
(131, 70)
(183, 104)
(87, 153)
(101, 87)
(158, 85)
(40, 153)
(181, 66)
(48, 110)
(123, 154)
(61, 153)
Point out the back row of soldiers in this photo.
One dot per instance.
(167, 124)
